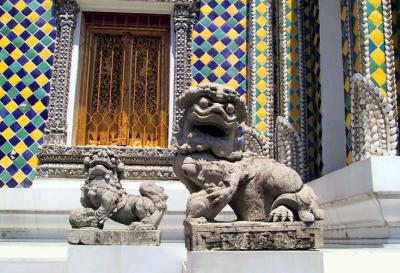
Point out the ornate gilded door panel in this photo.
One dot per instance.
(124, 96)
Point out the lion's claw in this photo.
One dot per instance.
(141, 226)
(281, 214)
(198, 221)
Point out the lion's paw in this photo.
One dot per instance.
(197, 221)
(141, 226)
(281, 214)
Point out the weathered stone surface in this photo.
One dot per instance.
(252, 236)
(103, 197)
(114, 237)
(212, 162)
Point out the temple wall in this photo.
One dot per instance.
(268, 50)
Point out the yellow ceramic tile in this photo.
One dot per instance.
(20, 147)
(14, 79)
(33, 17)
(42, 80)
(262, 99)
(26, 92)
(47, 4)
(19, 176)
(375, 3)
(29, 66)
(16, 54)
(5, 162)
(219, 71)
(206, 58)
(379, 76)
(376, 17)
(4, 41)
(32, 41)
(23, 120)
(36, 134)
(262, 113)
(377, 37)
(33, 162)
(378, 56)
(20, 5)
(18, 29)
(38, 107)
(7, 133)
(3, 66)
(262, 126)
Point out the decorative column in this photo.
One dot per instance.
(56, 125)
(371, 111)
(184, 16)
(260, 91)
(291, 132)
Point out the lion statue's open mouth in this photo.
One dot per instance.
(212, 117)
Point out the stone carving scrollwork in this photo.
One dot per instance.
(254, 143)
(56, 124)
(184, 19)
(373, 120)
(67, 161)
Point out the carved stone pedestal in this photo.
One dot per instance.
(114, 237)
(252, 236)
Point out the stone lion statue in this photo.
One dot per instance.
(212, 163)
(103, 197)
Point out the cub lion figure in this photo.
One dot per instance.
(212, 163)
(103, 197)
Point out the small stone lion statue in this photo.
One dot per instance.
(103, 197)
(212, 163)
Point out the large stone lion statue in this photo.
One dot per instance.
(104, 198)
(212, 163)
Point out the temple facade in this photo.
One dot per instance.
(320, 79)
(78, 75)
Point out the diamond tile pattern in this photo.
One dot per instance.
(261, 66)
(292, 64)
(313, 88)
(27, 34)
(377, 44)
(220, 44)
(351, 60)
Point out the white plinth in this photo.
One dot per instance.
(166, 258)
(362, 203)
(254, 262)
(41, 212)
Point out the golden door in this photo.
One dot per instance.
(124, 99)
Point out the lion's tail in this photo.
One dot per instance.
(155, 193)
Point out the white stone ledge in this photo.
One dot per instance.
(362, 202)
(41, 212)
(53, 257)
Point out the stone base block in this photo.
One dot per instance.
(252, 236)
(114, 237)
(254, 261)
(166, 258)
